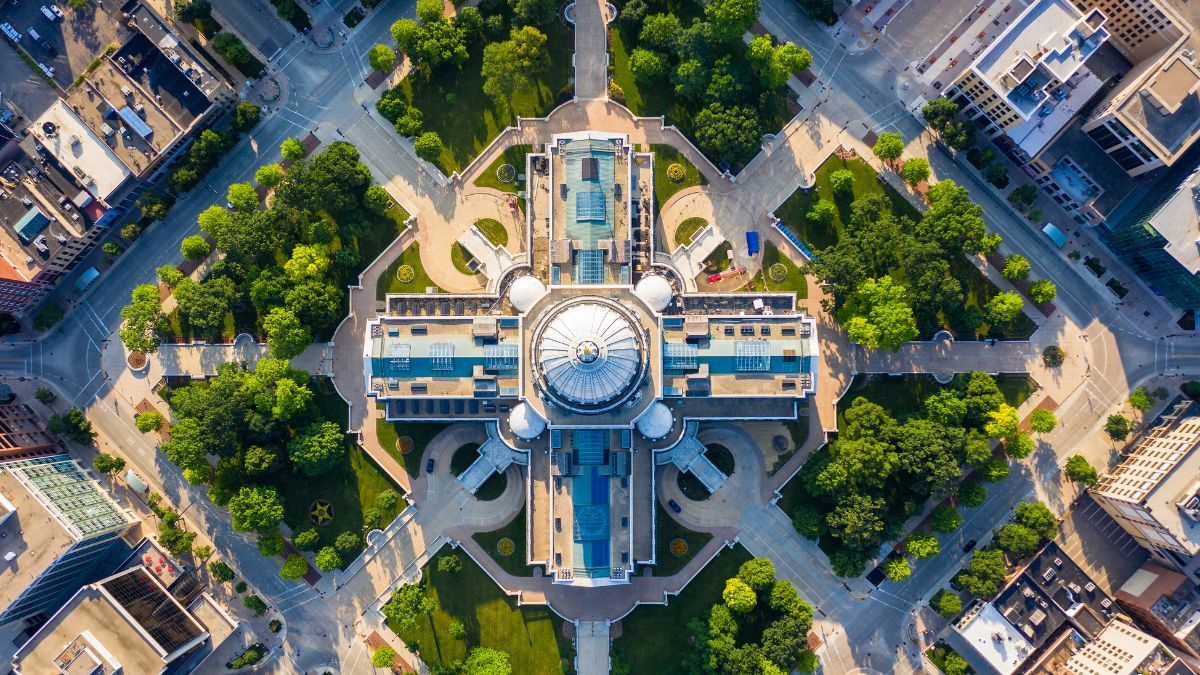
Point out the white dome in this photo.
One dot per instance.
(656, 422)
(525, 422)
(524, 292)
(589, 353)
(655, 291)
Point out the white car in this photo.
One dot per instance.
(57, 11)
(49, 14)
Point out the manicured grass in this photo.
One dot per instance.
(461, 258)
(937, 654)
(667, 529)
(493, 230)
(515, 530)
(718, 260)
(514, 155)
(665, 188)
(691, 486)
(493, 487)
(795, 281)
(688, 229)
(531, 636)
(904, 395)
(454, 105)
(388, 283)
(351, 486)
(463, 457)
(655, 638)
(383, 231)
(420, 432)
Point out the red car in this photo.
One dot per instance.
(714, 278)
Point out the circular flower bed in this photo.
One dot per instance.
(505, 547)
(506, 173)
(404, 444)
(136, 360)
(675, 172)
(777, 272)
(405, 274)
(320, 512)
(678, 547)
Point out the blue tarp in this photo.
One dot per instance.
(1055, 234)
(752, 242)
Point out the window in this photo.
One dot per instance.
(1103, 137)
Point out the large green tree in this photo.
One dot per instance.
(143, 321)
(255, 508)
(730, 133)
(286, 336)
(880, 316)
(407, 604)
(317, 448)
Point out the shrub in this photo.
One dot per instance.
(255, 604)
(428, 146)
(1140, 399)
(675, 172)
(240, 587)
(1042, 291)
(295, 567)
(149, 421)
(220, 571)
(328, 559)
(44, 396)
(384, 657)
(1042, 421)
(457, 630)
(346, 542)
(306, 540)
(111, 249)
(1016, 267)
(449, 564)
(131, 231)
(1053, 356)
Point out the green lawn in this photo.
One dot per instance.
(688, 229)
(904, 395)
(531, 636)
(667, 529)
(453, 103)
(493, 230)
(388, 283)
(463, 457)
(461, 258)
(515, 530)
(420, 432)
(654, 638)
(493, 487)
(351, 487)
(937, 654)
(718, 260)
(514, 155)
(794, 281)
(665, 188)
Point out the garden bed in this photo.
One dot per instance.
(664, 187)
(389, 281)
(688, 229)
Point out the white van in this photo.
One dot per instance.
(33, 34)
(49, 14)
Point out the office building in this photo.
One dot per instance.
(1119, 649)
(23, 433)
(1166, 604)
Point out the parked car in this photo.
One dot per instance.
(970, 546)
(674, 506)
(46, 12)
(429, 466)
(56, 11)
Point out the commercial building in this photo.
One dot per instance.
(126, 623)
(1118, 649)
(1154, 493)
(60, 531)
(592, 358)
(1167, 604)
(23, 433)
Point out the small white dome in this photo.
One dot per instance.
(525, 422)
(656, 422)
(655, 291)
(525, 291)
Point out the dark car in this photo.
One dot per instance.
(674, 506)
(429, 466)
(970, 546)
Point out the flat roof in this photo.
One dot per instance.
(1165, 102)
(762, 355)
(71, 496)
(81, 150)
(443, 356)
(159, 76)
(995, 640)
(35, 536)
(194, 68)
(1178, 221)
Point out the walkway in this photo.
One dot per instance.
(591, 50)
(945, 357)
(591, 647)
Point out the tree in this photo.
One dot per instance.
(1042, 421)
(775, 64)
(981, 396)
(809, 521)
(317, 448)
(169, 275)
(757, 573)
(729, 19)
(1042, 291)
(647, 66)
(268, 175)
(785, 599)
(255, 604)
(194, 247)
(738, 596)
(822, 213)
(382, 58)
(1037, 517)
(149, 421)
(255, 508)
(915, 170)
(1079, 470)
(189, 11)
(259, 461)
(286, 336)
(376, 199)
(306, 540)
(245, 116)
(509, 67)
(387, 499)
(428, 146)
(487, 661)
(784, 641)
(242, 197)
(1004, 308)
(292, 149)
(72, 425)
(842, 181)
(660, 32)
(889, 146)
(429, 11)
(857, 520)
(328, 559)
(1016, 267)
(922, 545)
(154, 205)
(954, 664)
(270, 543)
(220, 571)
(1141, 400)
(534, 12)
(449, 564)
(945, 519)
(406, 605)
(143, 320)
(346, 542)
(44, 396)
(881, 317)
(728, 132)
(946, 407)
(953, 220)
(1018, 446)
(1023, 196)
(897, 569)
(939, 112)
(972, 494)
(995, 470)
(1017, 539)
(1002, 423)
(1118, 427)
(206, 304)
(946, 603)
(984, 573)
(107, 464)
(183, 179)
(295, 567)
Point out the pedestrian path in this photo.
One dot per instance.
(945, 357)
(591, 52)
(591, 647)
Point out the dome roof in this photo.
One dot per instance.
(655, 291)
(589, 353)
(525, 291)
(525, 422)
(656, 422)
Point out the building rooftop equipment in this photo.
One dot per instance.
(82, 151)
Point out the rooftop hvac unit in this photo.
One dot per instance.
(74, 140)
(126, 91)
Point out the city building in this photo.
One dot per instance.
(1032, 80)
(1118, 649)
(1139, 29)
(60, 530)
(1167, 604)
(23, 433)
(126, 623)
(594, 355)
(1154, 493)
(1051, 597)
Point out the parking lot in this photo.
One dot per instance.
(1099, 545)
(75, 40)
(20, 87)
